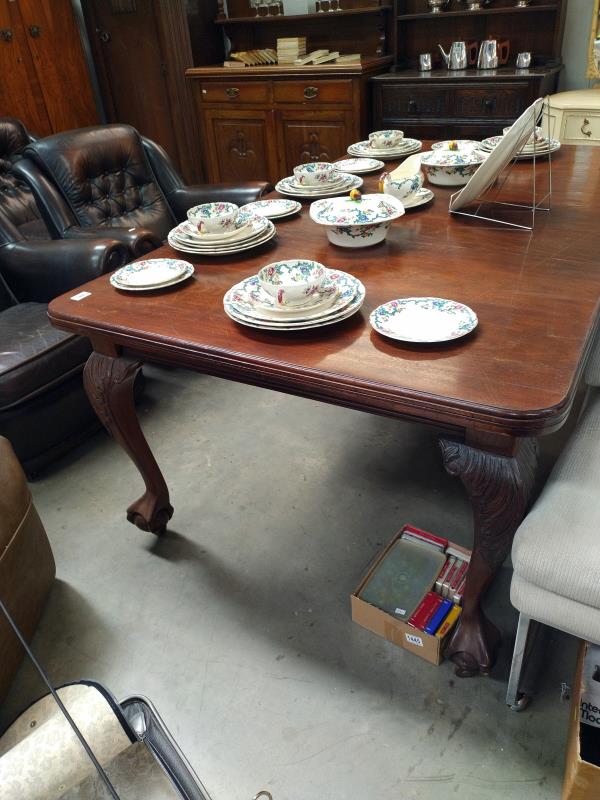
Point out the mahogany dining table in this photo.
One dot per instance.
(490, 394)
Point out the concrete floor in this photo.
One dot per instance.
(237, 623)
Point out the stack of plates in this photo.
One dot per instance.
(250, 231)
(276, 208)
(542, 148)
(340, 185)
(359, 166)
(405, 148)
(153, 273)
(340, 296)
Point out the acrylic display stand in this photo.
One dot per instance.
(488, 198)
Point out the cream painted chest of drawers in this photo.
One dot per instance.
(574, 117)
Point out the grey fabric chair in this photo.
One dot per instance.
(556, 550)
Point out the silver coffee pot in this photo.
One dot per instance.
(456, 57)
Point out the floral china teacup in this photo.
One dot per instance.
(403, 188)
(383, 140)
(316, 173)
(214, 217)
(292, 282)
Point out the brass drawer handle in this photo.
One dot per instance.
(589, 131)
(232, 92)
(310, 92)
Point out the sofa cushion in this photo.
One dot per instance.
(16, 199)
(557, 546)
(33, 354)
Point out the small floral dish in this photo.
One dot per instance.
(214, 217)
(359, 222)
(447, 167)
(317, 173)
(292, 282)
(275, 208)
(405, 181)
(423, 320)
(382, 140)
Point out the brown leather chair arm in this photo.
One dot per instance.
(139, 240)
(39, 271)
(187, 196)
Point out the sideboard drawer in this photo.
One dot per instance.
(240, 92)
(402, 101)
(494, 101)
(312, 92)
(580, 127)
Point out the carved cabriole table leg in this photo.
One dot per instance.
(498, 476)
(109, 384)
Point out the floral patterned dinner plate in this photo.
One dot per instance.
(423, 319)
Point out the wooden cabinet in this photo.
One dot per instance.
(574, 117)
(239, 144)
(472, 104)
(45, 80)
(259, 123)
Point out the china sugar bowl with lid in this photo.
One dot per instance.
(292, 282)
(214, 217)
(449, 167)
(316, 173)
(358, 221)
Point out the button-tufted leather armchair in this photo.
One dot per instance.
(108, 177)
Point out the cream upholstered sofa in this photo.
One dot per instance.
(556, 550)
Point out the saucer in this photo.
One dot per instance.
(423, 320)
(423, 196)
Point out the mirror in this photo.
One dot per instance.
(593, 70)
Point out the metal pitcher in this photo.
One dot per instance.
(456, 57)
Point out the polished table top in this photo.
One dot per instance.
(536, 296)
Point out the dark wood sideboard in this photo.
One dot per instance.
(470, 102)
(259, 123)
(462, 103)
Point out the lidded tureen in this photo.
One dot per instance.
(357, 221)
(451, 165)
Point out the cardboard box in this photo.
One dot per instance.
(582, 779)
(422, 644)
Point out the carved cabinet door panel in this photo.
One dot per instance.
(313, 136)
(240, 145)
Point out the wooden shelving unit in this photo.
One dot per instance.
(326, 15)
(424, 15)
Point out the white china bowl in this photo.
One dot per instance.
(356, 223)
(214, 217)
(292, 282)
(384, 140)
(403, 189)
(316, 173)
(446, 167)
